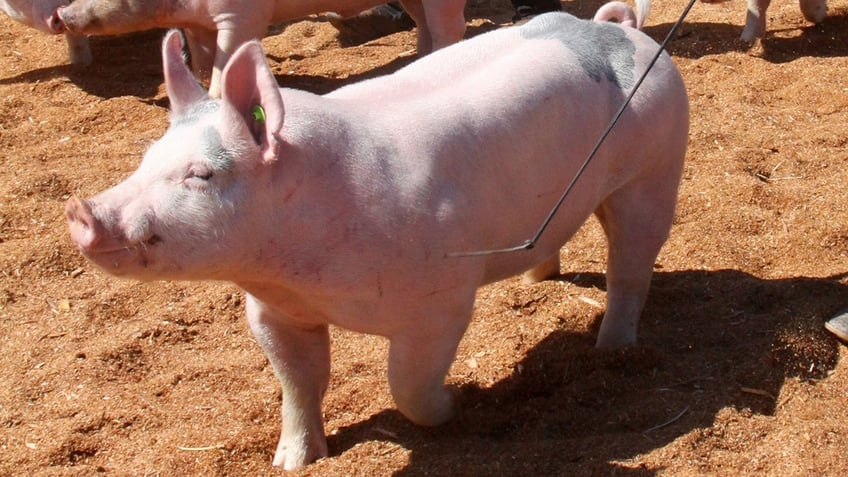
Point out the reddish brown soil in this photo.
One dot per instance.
(733, 375)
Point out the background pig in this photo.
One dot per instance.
(348, 209)
(755, 20)
(215, 28)
(39, 14)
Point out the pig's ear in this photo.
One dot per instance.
(248, 86)
(183, 88)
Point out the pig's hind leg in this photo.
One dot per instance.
(543, 271)
(301, 360)
(636, 220)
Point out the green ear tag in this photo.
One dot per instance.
(259, 114)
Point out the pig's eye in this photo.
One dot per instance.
(199, 177)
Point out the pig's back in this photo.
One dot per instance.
(551, 44)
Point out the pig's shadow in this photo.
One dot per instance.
(696, 40)
(322, 84)
(123, 65)
(708, 341)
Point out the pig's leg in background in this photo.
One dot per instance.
(79, 51)
(201, 46)
(440, 23)
(814, 10)
(419, 360)
(301, 360)
(543, 271)
(636, 220)
(229, 39)
(755, 20)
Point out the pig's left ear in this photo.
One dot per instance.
(183, 88)
(249, 87)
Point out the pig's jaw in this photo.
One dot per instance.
(131, 260)
(125, 262)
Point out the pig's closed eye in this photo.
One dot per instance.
(198, 178)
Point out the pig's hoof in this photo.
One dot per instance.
(545, 270)
(294, 453)
(814, 12)
(432, 412)
(612, 341)
(838, 325)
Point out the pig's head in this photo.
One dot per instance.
(190, 208)
(38, 14)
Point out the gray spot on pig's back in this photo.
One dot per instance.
(603, 49)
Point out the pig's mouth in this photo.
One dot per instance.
(121, 259)
(134, 247)
(118, 252)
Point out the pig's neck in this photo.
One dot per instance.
(308, 200)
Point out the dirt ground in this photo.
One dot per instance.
(734, 373)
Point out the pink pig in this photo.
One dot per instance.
(814, 11)
(215, 28)
(39, 14)
(349, 209)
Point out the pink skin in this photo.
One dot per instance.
(215, 28)
(40, 14)
(342, 209)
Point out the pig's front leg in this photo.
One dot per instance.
(228, 40)
(440, 23)
(419, 360)
(301, 360)
(79, 51)
(755, 20)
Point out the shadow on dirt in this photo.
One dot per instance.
(109, 76)
(319, 84)
(696, 40)
(709, 341)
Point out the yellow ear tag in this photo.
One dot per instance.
(259, 114)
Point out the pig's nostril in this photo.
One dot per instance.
(153, 240)
(55, 22)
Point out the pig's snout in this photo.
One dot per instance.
(86, 230)
(55, 22)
